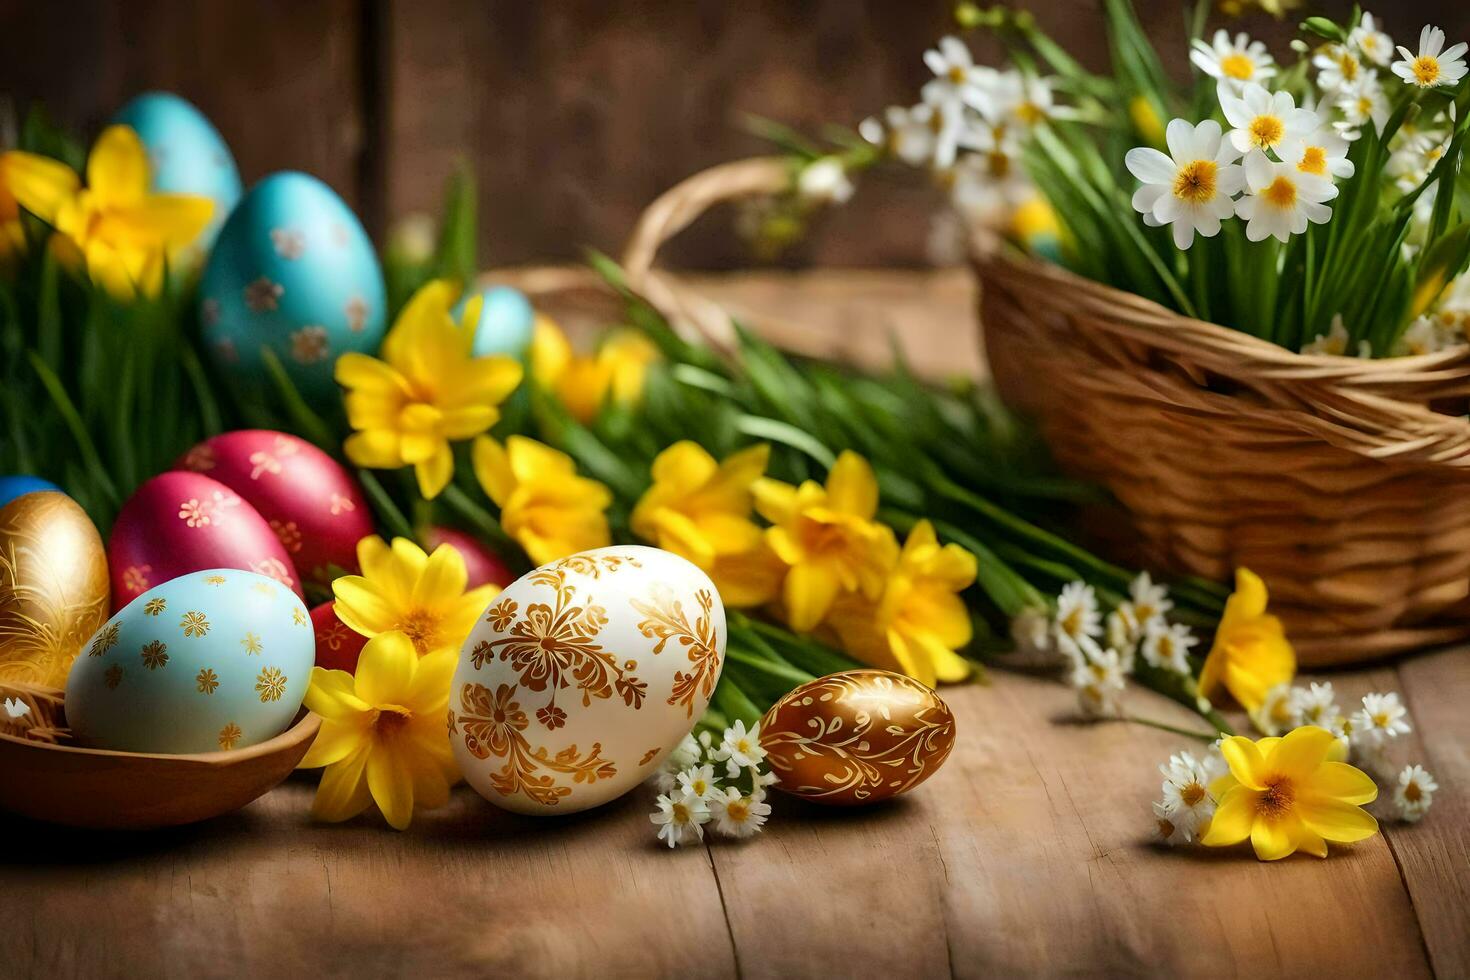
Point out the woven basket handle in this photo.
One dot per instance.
(688, 312)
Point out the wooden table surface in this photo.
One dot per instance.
(1029, 853)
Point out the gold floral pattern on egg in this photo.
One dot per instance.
(194, 624)
(251, 644)
(270, 684)
(155, 654)
(857, 737)
(665, 620)
(105, 640)
(229, 736)
(154, 607)
(54, 590)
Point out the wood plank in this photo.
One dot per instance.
(468, 891)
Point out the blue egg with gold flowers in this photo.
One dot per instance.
(293, 272)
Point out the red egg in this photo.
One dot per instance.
(178, 523)
(311, 502)
(337, 644)
(482, 564)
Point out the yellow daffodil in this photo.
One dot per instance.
(383, 738)
(1251, 654)
(12, 235)
(700, 509)
(404, 590)
(427, 391)
(920, 621)
(1289, 794)
(827, 537)
(544, 504)
(114, 227)
(585, 382)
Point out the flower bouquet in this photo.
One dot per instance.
(1236, 302)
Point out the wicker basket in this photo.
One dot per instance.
(1332, 478)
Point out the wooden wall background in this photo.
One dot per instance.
(574, 113)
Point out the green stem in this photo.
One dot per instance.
(1202, 736)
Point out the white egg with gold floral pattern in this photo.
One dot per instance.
(209, 661)
(582, 675)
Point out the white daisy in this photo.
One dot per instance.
(1098, 679)
(740, 749)
(1166, 829)
(824, 181)
(1411, 163)
(1214, 760)
(1166, 646)
(680, 818)
(1150, 600)
(1415, 793)
(1031, 633)
(908, 133)
(1281, 200)
(1370, 42)
(1264, 121)
(953, 65)
(700, 781)
(1337, 67)
(1077, 614)
(987, 184)
(1321, 154)
(1432, 65)
(1315, 705)
(1191, 188)
(1122, 635)
(686, 753)
(1422, 337)
(1334, 342)
(1274, 716)
(1361, 104)
(1187, 799)
(1381, 718)
(1233, 62)
(738, 815)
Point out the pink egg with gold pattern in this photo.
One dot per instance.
(337, 644)
(482, 564)
(309, 499)
(178, 523)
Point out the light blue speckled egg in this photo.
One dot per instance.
(211, 660)
(293, 271)
(186, 154)
(506, 321)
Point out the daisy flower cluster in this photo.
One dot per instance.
(716, 784)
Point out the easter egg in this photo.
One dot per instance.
(212, 660)
(582, 675)
(505, 324)
(20, 483)
(857, 737)
(292, 272)
(310, 501)
(186, 155)
(337, 644)
(182, 522)
(483, 565)
(53, 586)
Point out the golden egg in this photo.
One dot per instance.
(856, 737)
(53, 586)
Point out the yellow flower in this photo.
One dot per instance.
(427, 391)
(1251, 654)
(12, 235)
(585, 382)
(828, 539)
(402, 589)
(1288, 794)
(543, 503)
(700, 509)
(920, 621)
(113, 226)
(383, 738)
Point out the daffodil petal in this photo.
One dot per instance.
(343, 792)
(434, 473)
(492, 469)
(774, 500)
(361, 607)
(1300, 752)
(1245, 761)
(1337, 821)
(40, 184)
(810, 590)
(376, 449)
(444, 578)
(1342, 782)
(1274, 839)
(385, 668)
(428, 692)
(391, 784)
(331, 695)
(172, 220)
(334, 742)
(1233, 818)
(117, 168)
(851, 486)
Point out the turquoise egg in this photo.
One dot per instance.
(209, 661)
(506, 321)
(20, 484)
(186, 154)
(292, 271)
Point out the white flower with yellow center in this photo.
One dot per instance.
(1187, 800)
(1416, 157)
(953, 66)
(1333, 343)
(700, 781)
(738, 815)
(1167, 830)
(1097, 677)
(1422, 337)
(1263, 121)
(1381, 718)
(1233, 62)
(1374, 45)
(1148, 600)
(1337, 67)
(1280, 200)
(1077, 614)
(740, 749)
(1414, 793)
(1192, 187)
(1321, 154)
(1274, 716)
(1166, 646)
(1432, 66)
(680, 818)
(1360, 105)
(987, 184)
(1314, 705)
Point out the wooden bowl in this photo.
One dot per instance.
(95, 788)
